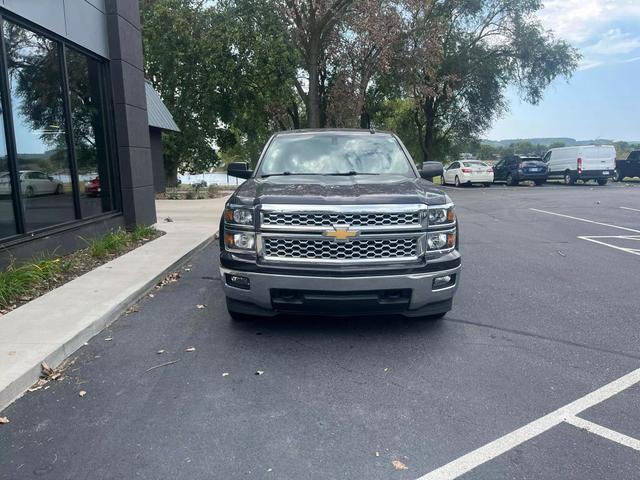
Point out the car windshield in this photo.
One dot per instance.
(335, 154)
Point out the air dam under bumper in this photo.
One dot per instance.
(421, 299)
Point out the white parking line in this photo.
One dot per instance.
(605, 432)
(633, 251)
(585, 220)
(629, 208)
(477, 457)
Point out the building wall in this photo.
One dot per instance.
(110, 29)
(157, 158)
(82, 21)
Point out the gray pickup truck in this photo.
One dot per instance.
(338, 222)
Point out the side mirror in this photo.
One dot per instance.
(431, 169)
(239, 169)
(50, 179)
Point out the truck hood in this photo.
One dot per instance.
(327, 189)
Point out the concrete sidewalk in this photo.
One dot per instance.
(52, 327)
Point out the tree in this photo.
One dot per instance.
(367, 39)
(461, 56)
(313, 24)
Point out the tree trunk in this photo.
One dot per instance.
(295, 116)
(171, 172)
(313, 98)
(429, 139)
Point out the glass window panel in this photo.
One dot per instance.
(7, 218)
(38, 114)
(88, 133)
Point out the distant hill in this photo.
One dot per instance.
(548, 141)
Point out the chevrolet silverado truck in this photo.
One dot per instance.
(338, 222)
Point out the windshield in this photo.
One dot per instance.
(335, 154)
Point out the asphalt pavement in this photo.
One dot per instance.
(547, 313)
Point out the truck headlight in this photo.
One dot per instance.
(240, 240)
(441, 215)
(441, 240)
(241, 216)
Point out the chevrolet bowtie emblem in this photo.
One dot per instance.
(341, 234)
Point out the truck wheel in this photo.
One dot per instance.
(487, 184)
(568, 179)
(457, 182)
(602, 181)
(510, 181)
(539, 183)
(617, 175)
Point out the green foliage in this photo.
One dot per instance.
(18, 282)
(118, 241)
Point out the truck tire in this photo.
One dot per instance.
(618, 176)
(568, 179)
(539, 183)
(510, 181)
(603, 181)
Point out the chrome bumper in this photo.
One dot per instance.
(420, 285)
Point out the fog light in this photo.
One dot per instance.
(238, 281)
(443, 282)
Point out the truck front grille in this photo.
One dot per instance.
(321, 219)
(385, 249)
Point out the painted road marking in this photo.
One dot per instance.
(491, 450)
(629, 208)
(605, 432)
(585, 220)
(633, 251)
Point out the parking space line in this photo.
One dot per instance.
(629, 208)
(585, 220)
(604, 432)
(511, 440)
(633, 251)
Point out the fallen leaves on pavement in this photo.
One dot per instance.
(82, 393)
(108, 339)
(132, 309)
(190, 349)
(398, 465)
(225, 374)
(48, 374)
(201, 306)
(160, 352)
(171, 278)
(260, 372)
(4, 420)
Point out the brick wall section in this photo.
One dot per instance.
(132, 128)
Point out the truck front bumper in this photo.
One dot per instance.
(410, 294)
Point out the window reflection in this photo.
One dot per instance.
(38, 114)
(7, 221)
(88, 133)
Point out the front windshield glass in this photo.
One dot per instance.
(335, 154)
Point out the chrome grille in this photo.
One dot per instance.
(392, 248)
(321, 219)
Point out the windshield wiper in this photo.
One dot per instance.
(334, 174)
(352, 172)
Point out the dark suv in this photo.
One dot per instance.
(514, 169)
(627, 168)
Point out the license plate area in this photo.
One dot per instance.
(315, 301)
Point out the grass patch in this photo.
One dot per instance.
(19, 284)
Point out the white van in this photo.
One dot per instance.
(585, 162)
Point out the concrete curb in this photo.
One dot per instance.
(26, 379)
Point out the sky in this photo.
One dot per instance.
(602, 99)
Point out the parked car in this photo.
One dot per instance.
(338, 222)
(627, 168)
(32, 183)
(468, 172)
(514, 169)
(585, 162)
(92, 188)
